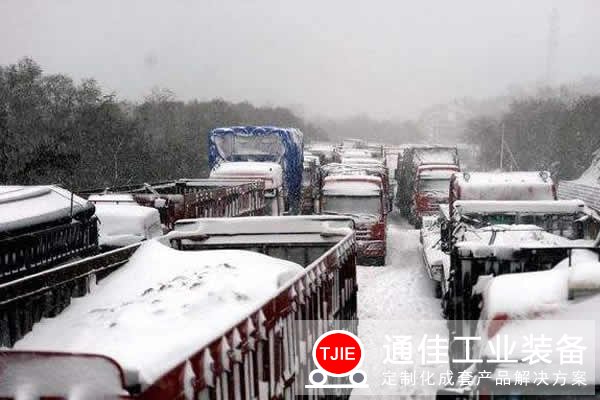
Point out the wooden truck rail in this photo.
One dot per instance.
(261, 356)
(195, 198)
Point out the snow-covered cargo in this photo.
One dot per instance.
(189, 198)
(121, 226)
(42, 226)
(283, 146)
(194, 313)
(521, 185)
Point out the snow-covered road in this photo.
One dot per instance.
(399, 291)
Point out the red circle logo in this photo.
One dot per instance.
(337, 352)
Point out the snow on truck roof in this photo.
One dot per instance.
(295, 225)
(361, 161)
(520, 206)
(269, 171)
(530, 185)
(24, 206)
(352, 185)
(502, 241)
(162, 306)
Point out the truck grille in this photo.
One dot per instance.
(363, 234)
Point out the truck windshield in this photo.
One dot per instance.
(251, 148)
(441, 186)
(352, 204)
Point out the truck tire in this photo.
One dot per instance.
(379, 261)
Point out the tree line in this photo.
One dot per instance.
(56, 131)
(558, 133)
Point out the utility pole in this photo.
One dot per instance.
(502, 148)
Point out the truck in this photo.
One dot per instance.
(269, 173)
(406, 171)
(563, 296)
(361, 196)
(283, 146)
(311, 182)
(233, 315)
(430, 189)
(42, 227)
(187, 198)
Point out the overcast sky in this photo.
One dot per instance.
(388, 59)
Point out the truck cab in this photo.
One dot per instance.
(247, 146)
(269, 172)
(362, 197)
(309, 203)
(431, 188)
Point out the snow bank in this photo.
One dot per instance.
(271, 172)
(162, 306)
(24, 206)
(351, 185)
(121, 225)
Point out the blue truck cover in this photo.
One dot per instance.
(262, 143)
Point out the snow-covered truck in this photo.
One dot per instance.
(406, 171)
(188, 198)
(544, 288)
(431, 188)
(206, 311)
(269, 173)
(257, 144)
(41, 227)
(362, 196)
(311, 182)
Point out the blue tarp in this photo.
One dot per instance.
(262, 143)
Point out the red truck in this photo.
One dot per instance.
(431, 188)
(363, 197)
(213, 270)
